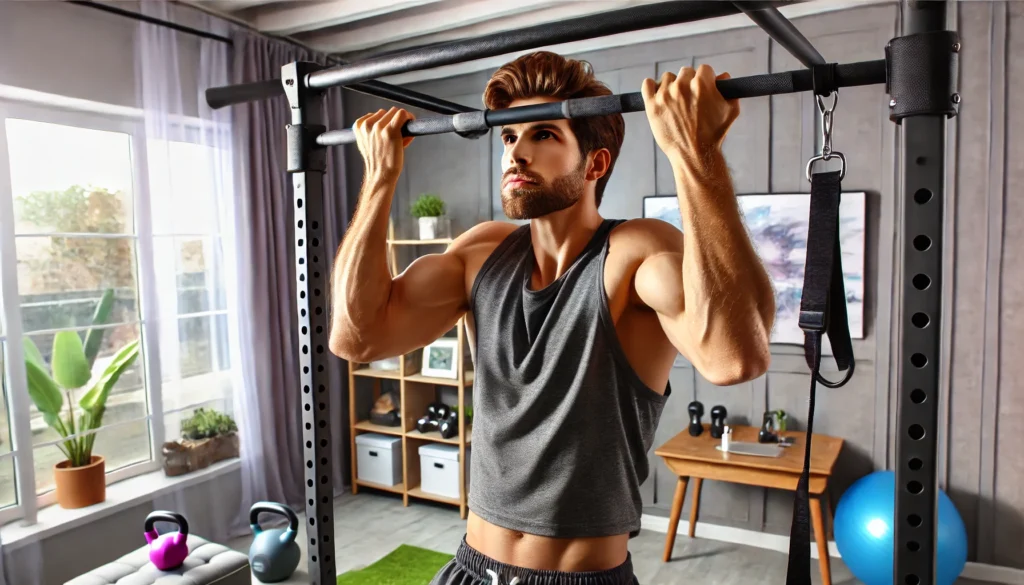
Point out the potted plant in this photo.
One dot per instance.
(208, 436)
(80, 480)
(429, 210)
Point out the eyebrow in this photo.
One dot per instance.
(506, 130)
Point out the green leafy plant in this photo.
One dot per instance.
(428, 205)
(70, 369)
(204, 424)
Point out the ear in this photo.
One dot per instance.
(600, 161)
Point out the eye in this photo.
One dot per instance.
(543, 134)
(508, 138)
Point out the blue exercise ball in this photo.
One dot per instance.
(864, 532)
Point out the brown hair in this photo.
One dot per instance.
(547, 74)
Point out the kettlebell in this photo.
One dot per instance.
(696, 410)
(274, 554)
(167, 551)
(718, 414)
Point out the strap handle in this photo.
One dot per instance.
(822, 312)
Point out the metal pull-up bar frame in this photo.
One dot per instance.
(919, 74)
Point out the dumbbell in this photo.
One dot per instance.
(696, 410)
(437, 412)
(718, 414)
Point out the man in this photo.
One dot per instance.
(574, 320)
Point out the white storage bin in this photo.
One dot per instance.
(439, 469)
(379, 458)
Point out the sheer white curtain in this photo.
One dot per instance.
(190, 214)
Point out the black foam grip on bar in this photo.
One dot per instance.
(575, 29)
(218, 97)
(923, 74)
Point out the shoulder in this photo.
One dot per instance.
(483, 237)
(645, 237)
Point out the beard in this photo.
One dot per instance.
(539, 198)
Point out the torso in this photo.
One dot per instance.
(650, 354)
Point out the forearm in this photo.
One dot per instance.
(362, 278)
(727, 292)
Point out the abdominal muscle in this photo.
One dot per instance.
(545, 553)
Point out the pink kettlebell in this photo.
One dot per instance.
(167, 551)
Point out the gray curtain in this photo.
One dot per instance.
(270, 412)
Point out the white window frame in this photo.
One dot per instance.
(19, 404)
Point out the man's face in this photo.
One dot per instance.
(542, 170)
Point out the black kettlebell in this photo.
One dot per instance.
(274, 554)
(718, 414)
(696, 410)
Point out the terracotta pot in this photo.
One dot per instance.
(78, 487)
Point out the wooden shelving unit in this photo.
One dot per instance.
(416, 392)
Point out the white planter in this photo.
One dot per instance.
(430, 228)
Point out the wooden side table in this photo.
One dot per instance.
(698, 458)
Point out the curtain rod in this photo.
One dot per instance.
(151, 20)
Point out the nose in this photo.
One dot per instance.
(517, 154)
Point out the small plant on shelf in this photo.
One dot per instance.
(208, 436)
(429, 209)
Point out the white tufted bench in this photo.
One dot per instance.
(207, 563)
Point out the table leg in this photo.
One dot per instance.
(819, 537)
(831, 515)
(673, 520)
(695, 505)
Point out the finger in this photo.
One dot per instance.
(407, 141)
(368, 120)
(723, 75)
(400, 118)
(382, 122)
(667, 78)
(648, 88)
(685, 75)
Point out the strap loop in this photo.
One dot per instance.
(823, 78)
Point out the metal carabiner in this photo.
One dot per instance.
(827, 118)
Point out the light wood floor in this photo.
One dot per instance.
(368, 526)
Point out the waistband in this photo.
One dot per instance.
(484, 567)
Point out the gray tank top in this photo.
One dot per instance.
(562, 424)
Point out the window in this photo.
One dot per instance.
(102, 217)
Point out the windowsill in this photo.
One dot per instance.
(121, 495)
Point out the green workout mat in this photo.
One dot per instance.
(406, 565)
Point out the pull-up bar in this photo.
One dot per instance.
(492, 45)
(473, 124)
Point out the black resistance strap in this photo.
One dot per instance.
(822, 312)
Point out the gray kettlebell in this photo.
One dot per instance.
(274, 554)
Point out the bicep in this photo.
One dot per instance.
(427, 298)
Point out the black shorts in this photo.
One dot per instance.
(470, 567)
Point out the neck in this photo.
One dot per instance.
(558, 239)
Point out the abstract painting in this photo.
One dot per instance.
(777, 225)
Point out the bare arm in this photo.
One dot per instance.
(374, 315)
(715, 300)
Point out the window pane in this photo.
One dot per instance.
(62, 279)
(5, 427)
(203, 367)
(127, 399)
(8, 489)
(68, 179)
(120, 446)
(182, 184)
(199, 275)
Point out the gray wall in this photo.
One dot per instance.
(767, 149)
(84, 53)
